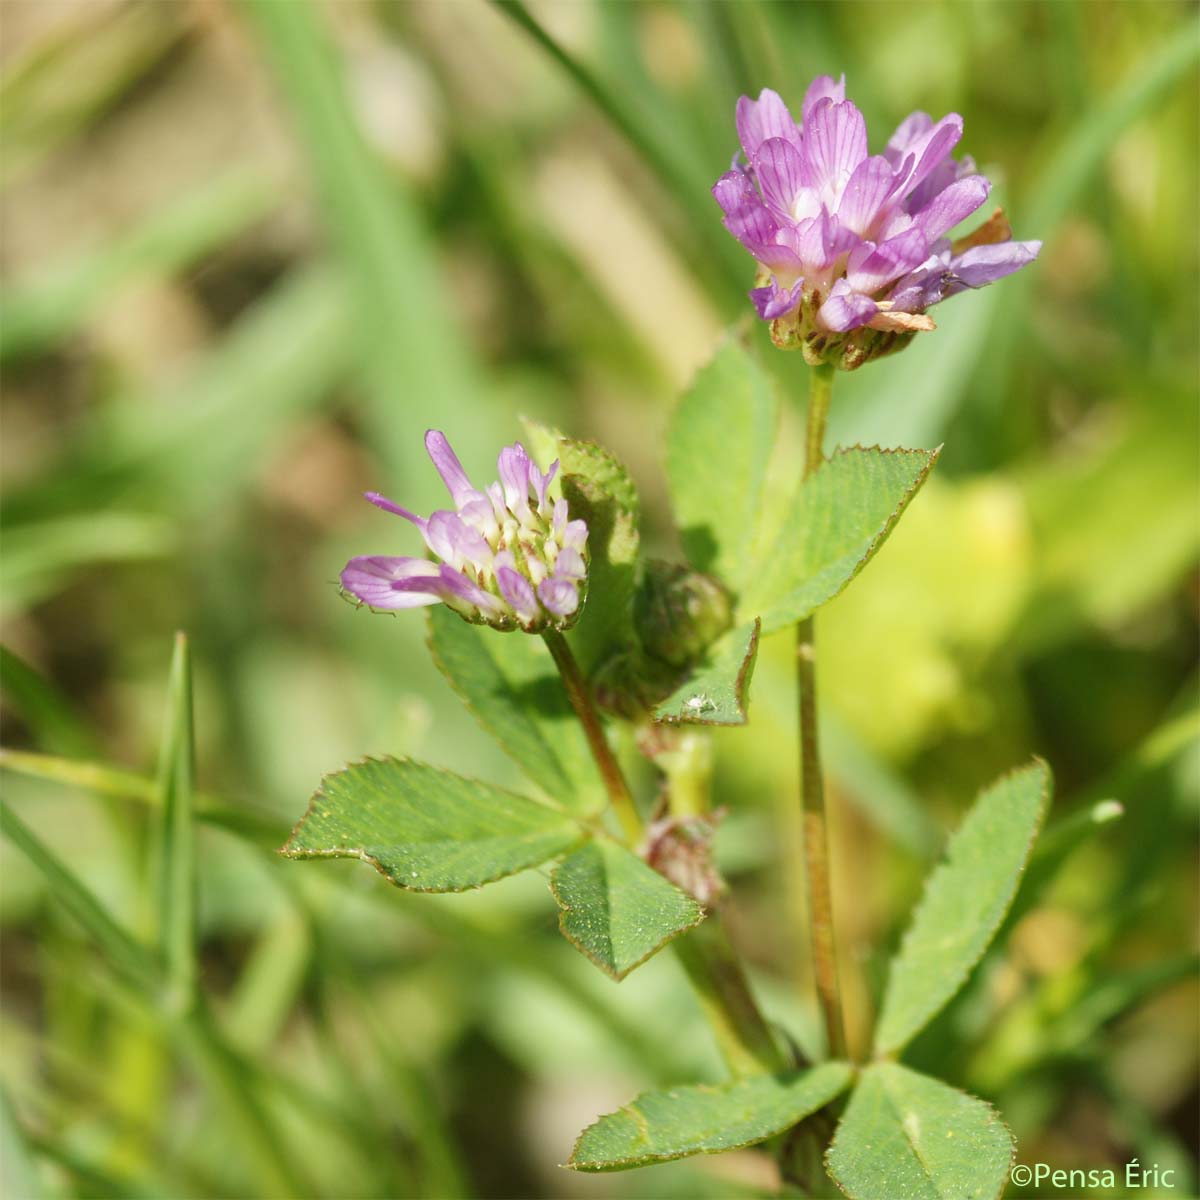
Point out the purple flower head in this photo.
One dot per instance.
(511, 557)
(852, 247)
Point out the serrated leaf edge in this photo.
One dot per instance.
(594, 450)
(287, 851)
(883, 1052)
(600, 1166)
(992, 1109)
(741, 689)
(564, 908)
(885, 531)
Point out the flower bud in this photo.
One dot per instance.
(678, 612)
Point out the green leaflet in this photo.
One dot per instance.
(510, 683)
(599, 491)
(718, 444)
(616, 909)
(427, 829)
(660, 1126)
(837, 520)
(719, 691)
(965, 900)
(907, 1135)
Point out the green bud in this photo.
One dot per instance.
(678, 612)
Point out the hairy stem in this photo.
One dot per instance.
(581, 701)
(812, 785)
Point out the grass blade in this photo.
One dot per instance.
(684, 181)
(44, 709)
(132, 961)
(104, 780)
(176, 851)
(413, 351)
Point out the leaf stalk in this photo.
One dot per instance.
(580, 697)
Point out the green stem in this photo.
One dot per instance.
(706, 953)
(581, 701)
(812, 786)
(711, 963)
(720, 983)
(819, 391)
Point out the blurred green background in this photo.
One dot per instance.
(252, 250)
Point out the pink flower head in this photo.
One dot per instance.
(510, 556)
(852, 247)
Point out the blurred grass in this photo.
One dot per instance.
(250, 252)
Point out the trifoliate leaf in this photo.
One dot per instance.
(718, 444)
(600, 491)
(510, 683)
(905, 1136)
(615, 908)
(965, 900)
(660, 1126)
(718, 692)
(839, 518)
(427, 829)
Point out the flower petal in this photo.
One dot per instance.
(909, 131)
(835, 142)
(779, 168)
(569, 564)
(749, 220)
(866, 192)
(822, 88)
(516, 589)
(929, 151)
(480, 513)
(846, 309)
(574, 535)
(392, 507)
(819, 241)
(514, 468)
(448, 466)
(462, 594)
(456, 542)
(872, 267)
(773, 301)
(926, 286)
(766, 117)
(951, 205)
(982, 265)
(541, 484)
(392, 583)
(559, 596)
